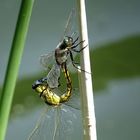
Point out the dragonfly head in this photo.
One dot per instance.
(68, 41)
(36, 83)
(38, 86)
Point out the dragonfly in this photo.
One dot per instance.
(47, 87)
(54, 101)
(63, 54)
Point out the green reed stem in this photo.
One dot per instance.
(13, 64)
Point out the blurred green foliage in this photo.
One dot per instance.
(116, 60)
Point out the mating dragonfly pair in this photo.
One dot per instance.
(59, 58)
(57, 62)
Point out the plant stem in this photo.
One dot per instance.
(85, 80)
(13, 64)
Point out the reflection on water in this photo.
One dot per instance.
(117, 114)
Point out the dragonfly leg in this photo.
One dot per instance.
(75, 40)
(78, 51)
(74, 63)
(59, 82)
(77, 44)
(72, 59)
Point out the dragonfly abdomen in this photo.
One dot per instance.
(65, 97)
(50, 97)
(46, 93)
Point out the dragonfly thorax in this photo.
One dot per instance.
(61, 56)
(62, 50)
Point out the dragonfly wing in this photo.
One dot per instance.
(47, 60)
(58, 123)
(69, 62)
(68, 31)
(69, 124)
(53, 76)
(45, 125)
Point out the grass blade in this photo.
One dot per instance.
(13, 64)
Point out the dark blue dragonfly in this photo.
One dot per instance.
(62, 55)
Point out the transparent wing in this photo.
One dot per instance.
(53, 76)
(69, 27)
(47, 60)
(58, 123)
(69, 23)
(41, 126)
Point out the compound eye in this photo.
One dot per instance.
(68, 40)
(36, 84)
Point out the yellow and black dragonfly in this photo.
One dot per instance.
(59, 106)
